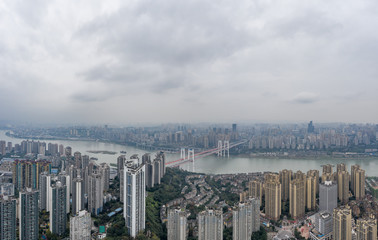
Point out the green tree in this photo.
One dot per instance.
(227, 233)
(260, 235)
(297, 235)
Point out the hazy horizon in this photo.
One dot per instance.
(122, 63)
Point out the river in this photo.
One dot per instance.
(211, 164)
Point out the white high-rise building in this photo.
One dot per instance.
(134, 199)
(246, 219)
(210, 225)
(77, 195)
(176, 224)
(80, 226)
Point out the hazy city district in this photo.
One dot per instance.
(51, 191)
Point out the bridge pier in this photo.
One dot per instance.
(191, 157)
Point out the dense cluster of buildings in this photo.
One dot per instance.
(70, 187)
(52, 178)
(135, 176)
(261, 137)
(328, 199)
(28, 186)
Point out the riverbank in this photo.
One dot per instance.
(259, 155)
(102, 152)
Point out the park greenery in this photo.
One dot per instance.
(260, 235)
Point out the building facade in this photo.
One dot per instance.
(358, 183)
(256, 189)
(367, 228)
(246, 219)
(58, 213)
(29, 214)
(177, 224)
(134, 196)
(8, 223)
(272, 188)
(342, 223)
(343, 186)
(80, 226)
(210, 225)
(77, 195)
(285, 179)
(311, 192)
(328, 196)
(297, 198)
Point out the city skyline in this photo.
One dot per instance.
(188, 62)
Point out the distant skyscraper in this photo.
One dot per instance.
(342, 223)
(26, 172)
(358, 182)
(121, 183)
(29, 214)
(66, 180)
(95, 193)
(8, 224)
(68, 152)
(77, 159)
(297, 198)
(285, 179)
(234, 126)
(120, 164)
(134, 191)
(310, 128)
(155, 170)
(80, 226)
(311, 193)
(61, 149)
(150, 172)
(210, 225)
(256, 189)
(343, 186)
(272, 187)
(341, 167)
(246, 219)
(44, 191)
(77, 195)
(157, 173)
(314, 174)
(161, 156)
(58, 214)
(84, 161)
(328, 196)
(367, 228)
(353, 169)
(177, 225)
(2, 148)
(327, 173)
(73, 172)
(105, 173)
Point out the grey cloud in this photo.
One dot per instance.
(315, 23)
(248, 58)
(89, 97)
(168, 32)
(305, 98)
(31, 12)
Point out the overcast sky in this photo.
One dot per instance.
(189, 61)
